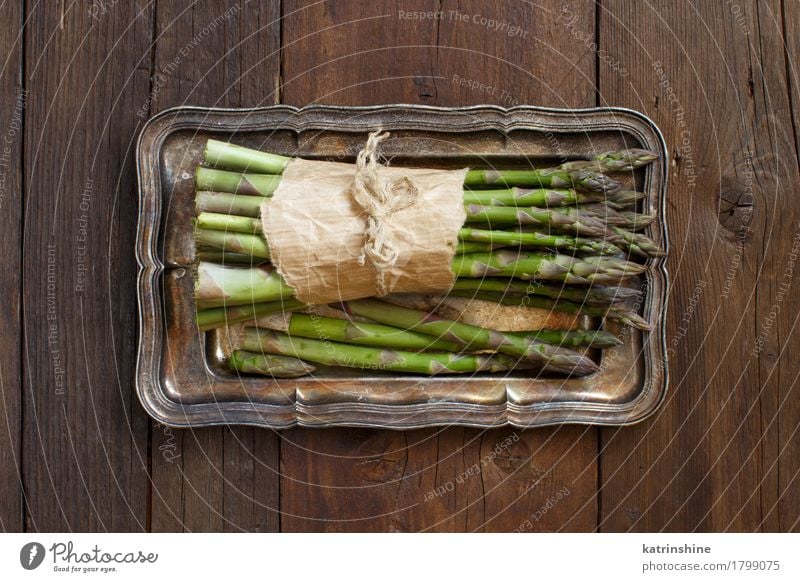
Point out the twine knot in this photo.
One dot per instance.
(379, 199)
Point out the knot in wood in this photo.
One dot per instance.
(736, 208)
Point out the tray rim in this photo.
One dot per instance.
(151, 268)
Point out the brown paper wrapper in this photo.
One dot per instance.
(315, 232)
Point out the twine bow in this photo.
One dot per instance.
(379, 199)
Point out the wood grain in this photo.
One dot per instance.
(85, 434)
(781, 512)
(223, 54)
(14, 99)
(711, 459)
(347, 480)
(723, 453)
(773, 134)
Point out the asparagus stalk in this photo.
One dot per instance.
(575, 221)
(236, 242)
(632, 157)
(239, 205)
(591, 295)
(636, 221)
(233, 157)
(543, 178)
(474, 247)
(218, 286)
(541, 198)
(375, 334)
(227, 201)
(473, 337)
(548, 198)
(240, 224)
(610, 216)
(229, 223)
(579, 338)
(366, 334)
(235, 182)
(623, 240)
(624, 199)
(227, 155)
(224, 257)
(637, 243)
(538, 239)
(615, 312)
(262, 185)
(590, 220)
(378, 335)
(614, 161)
(220, 316)
(254, 184)
(545, 266)
(269, 365)
(370, 358)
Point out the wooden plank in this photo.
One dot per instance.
(777, 93)
(223, 54)
(14, 98)
(713, 78)
(85, 433)
(366, 480)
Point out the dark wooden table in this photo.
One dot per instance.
(78, 80)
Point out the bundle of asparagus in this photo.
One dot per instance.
(560, 239)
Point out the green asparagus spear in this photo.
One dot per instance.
(545, 266)
(609, 216)
(544, 178)
(233, 157)
(250, 205)
(590, 295)
(366, 334)
(378, 335)
(235, 182)
(615, 161)
(222, 154)
(541, 198)
(236, 204)
(220, 316)
(616, 312)
(576, 222)
(226, 258)
(269, 365)
(538, 239)
(630, 159)
(370, 358)
(624, 199)
(637, 243)
(218, 286)
(262, 185)
(473, 337)
(229, 223)
(636, 221)
(578, 338)
(236, 242)
(240, 224)
(475, 247)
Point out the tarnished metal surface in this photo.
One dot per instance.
(181, 379)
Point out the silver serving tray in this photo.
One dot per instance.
(180, 378)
